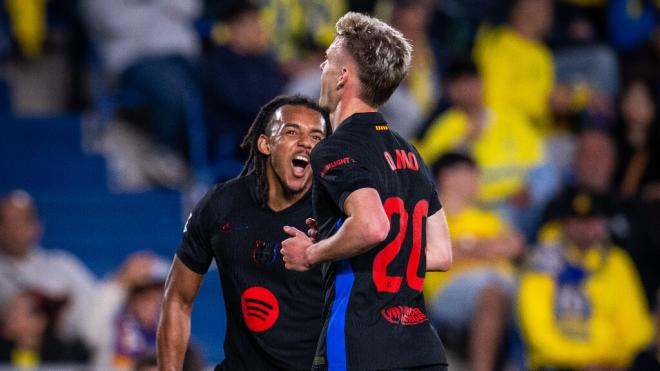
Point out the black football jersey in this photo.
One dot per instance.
(273, 315)
(374, 315)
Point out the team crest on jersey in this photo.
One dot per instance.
(264, 252)
(404, 315)
(260, 308)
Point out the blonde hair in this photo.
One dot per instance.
(381, 52)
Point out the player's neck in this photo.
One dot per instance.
(278, 198)
(346, 108)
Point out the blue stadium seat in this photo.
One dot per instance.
(44, 156)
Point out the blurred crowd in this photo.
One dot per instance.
(55, 311)
(539, 118)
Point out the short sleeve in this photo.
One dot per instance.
(434, 198)
(195, 248)
(434, 202)
(340, 171)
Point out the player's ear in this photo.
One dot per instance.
(263, 145)
(343, 78)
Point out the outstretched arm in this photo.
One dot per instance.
(174, 327)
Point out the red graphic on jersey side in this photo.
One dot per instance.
(335, 163)
(402, 315)
(260, 308)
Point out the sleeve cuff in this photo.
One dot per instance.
(193, 265)
(350, 188)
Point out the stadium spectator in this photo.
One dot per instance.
(155, 61)
(592, 169)
(595, 161)
(473, 300)
(580, 301)
(28, 336)
(294, 23)
(25, 264)
(631, 22)
(27, 21)
(643, 61)
(638, 174)
(422, 84)
(517, 179)
(518, 68)
(582, 57)
(233, 99)
(121, 323)
(649, 359)
(637, 177)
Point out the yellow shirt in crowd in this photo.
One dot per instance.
(602, 321)
(475, 224)
(507, 149)
(291, 21)
(517, 73)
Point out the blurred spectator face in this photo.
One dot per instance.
(145, 306)
(24, 318)
(247, 34)
(466, 92)
(20, 228)
(536, 15)
(585, 231)
(412, 18)
(460, 181)
(637, 107)
(595, 160)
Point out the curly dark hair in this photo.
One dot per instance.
(256, 162)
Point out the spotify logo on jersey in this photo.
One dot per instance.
(260, 308)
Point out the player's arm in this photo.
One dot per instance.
(174, 328)
(438, 243)
(365, 226)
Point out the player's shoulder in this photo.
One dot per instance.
(332, 146)
(226, 192)
(402, 142)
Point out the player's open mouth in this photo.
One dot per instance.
(299, 164)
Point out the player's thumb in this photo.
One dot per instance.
(292, 231)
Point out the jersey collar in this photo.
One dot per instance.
(370, 118)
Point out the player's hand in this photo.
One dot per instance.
(294, 250)
(313, 231)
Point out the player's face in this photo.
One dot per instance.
(296, 131)
(331, 72)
